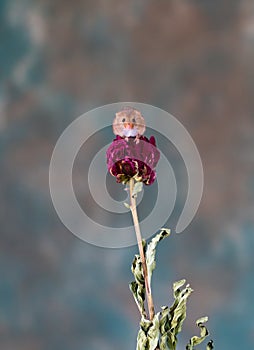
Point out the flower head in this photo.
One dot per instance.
(133, 158)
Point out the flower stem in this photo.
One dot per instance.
(134, 213)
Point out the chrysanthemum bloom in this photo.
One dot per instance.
(127, 158)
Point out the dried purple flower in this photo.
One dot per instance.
(133, 158)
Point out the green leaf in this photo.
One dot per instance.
(137, 188)
(137, 287)
(203, 334)
(149, 334)
(151, 250)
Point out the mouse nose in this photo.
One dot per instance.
(128, 125)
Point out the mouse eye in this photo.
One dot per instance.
(123, 120)
(133, 120)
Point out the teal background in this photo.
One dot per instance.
(59, 59)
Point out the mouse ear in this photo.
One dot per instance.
(142, 129)
(117, 126)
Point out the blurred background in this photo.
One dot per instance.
(59, 59)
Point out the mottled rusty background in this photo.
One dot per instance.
(59, 59)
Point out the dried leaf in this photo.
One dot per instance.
(137, 188)
(209, 345)
(151, 251)
(178, 309)
(149, 334)
(203, 334)
(137, 287)
(172, 319)
(164, 329)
